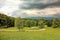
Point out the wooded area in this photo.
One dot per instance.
(7, 21)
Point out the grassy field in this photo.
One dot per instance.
(48, 34)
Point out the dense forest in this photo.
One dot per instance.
(7, 21)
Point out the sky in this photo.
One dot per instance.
(28, 8)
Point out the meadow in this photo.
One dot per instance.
(48, 34)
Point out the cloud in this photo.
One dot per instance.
(47, 12)
(38, 4)
(9, 6)
(34, 7)
(1, 3)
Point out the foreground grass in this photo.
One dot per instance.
(48, 34)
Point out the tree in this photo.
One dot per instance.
(3, 20)
(28, 23)
(41, 23)
(49, 23)
(55, 23)
(19, 23)
(10, 21)
(6, 21)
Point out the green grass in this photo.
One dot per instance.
(48, 34)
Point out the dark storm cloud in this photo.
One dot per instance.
(39, 4)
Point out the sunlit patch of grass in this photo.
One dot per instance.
(31, 28)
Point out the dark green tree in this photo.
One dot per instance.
(49, 23)
(41, 23)
(56, 23)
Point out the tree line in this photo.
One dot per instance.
(7, 21)
(41, 23)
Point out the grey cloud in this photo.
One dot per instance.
(39, 4)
